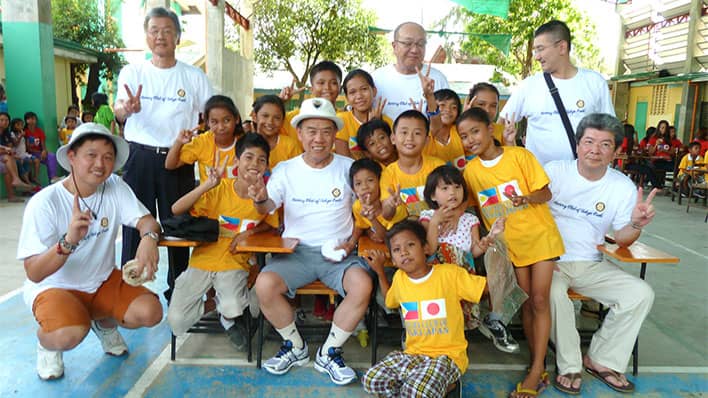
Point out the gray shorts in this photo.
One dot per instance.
(306, 265)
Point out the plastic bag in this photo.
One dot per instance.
(505, 294)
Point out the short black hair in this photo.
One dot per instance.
(412, 114)
(99, 99)
(268, 99)
(29, 115)
(162, 12)
(558, 29)
(15, 121)
(694, 143)
(74, 118)
(475, 113)
(483, 86)
(91, 137)
(324, 66)
(357, 72)
(252, 140)
(446, 94)
(364, 164)
(448, 174)
(224, 102)
(367, 129)
(72, 107)
(407, 225)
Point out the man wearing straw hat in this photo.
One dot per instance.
(67, 244)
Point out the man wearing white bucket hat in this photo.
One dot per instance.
(67, 244)
(314, 190)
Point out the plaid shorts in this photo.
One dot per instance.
(406, 375)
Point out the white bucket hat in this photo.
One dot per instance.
(122, 148)
(317, 108)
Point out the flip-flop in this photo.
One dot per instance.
(568, 390)
(602, 376)
(523, 392)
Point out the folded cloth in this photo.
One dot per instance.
(185, 226)
(130, 274)
(329, 252)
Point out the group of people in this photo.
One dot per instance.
(404, 166)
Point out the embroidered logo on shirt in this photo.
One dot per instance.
(104, 222)
(600, 206)
(336, 192)
(181, 93)
(580, 104)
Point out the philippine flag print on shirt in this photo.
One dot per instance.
(230, 226)
(488, 197)
(410, 311)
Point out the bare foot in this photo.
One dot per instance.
(21, 184)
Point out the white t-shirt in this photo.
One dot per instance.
(170, 101)
(317, 202)
(398, 88)
(47, 218)
(585, 210)
(584, 93)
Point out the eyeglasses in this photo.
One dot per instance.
(605, 146)
(164, 32)
(540, 49)
(408, 44)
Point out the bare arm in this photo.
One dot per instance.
(642, 214)
(341, 147)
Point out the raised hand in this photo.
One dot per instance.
(418, 106)
(368, 210)
(497, 227)
(186, 136)
(376, 260)
(516, 199)
(509, 134)
(132, 104)
(256, 187)
(288, 92)
(79, 224)
(393, 201)
(643, 211)
(377, 111)
(469, 102)
(426, 82)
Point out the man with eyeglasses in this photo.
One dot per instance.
(582, 92)
(399, 83)
(589, 199)
(157, 99)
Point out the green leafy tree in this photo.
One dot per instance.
(82, 21)
(312, 31)
(524, 17)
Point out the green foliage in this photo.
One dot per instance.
(312, 31)
(524, 17)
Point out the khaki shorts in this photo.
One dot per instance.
(58, 308)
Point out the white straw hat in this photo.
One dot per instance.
(122, 148)
(317, 108)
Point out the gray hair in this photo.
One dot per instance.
(162, 12)
(398, 28)
(603, 122)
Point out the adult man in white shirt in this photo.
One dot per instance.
(588, 199)
(582, 92)
(157, 99)
(399, 83)
(67, 244)
(314, 190)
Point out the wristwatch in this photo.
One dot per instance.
(152, 235)
(65, 246)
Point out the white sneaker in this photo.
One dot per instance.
(286, 358)
(333, 364)
(111, 340)
(50, 364)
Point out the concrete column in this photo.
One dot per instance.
(29, 63)
(690, 65)
(215, 45)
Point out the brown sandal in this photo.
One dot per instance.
(602, 376)
(570, 389)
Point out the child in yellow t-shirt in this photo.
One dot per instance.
(374, 139)
(445, 143)
(406, 176)
(65, 133)
(213, 147)
(486, 96)
(360, 92)
(690, 162)
(217, 264)
(269, 112)
(429, 300)
(509, 182)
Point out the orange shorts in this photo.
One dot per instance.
(57, 308)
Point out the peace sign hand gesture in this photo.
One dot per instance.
(185, 136)
(643, 211)
(132, 104)
(377, 111)
(79, 224)
(509, 134)
(256, 187)
(469, 102)
(289, 91)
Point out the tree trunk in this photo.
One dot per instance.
(92, 84)
(75, 70)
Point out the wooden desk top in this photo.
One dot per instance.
(267, 242)
(637, 253)
(178, 243)
(366, 244)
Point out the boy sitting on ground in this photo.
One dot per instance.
(218, 264)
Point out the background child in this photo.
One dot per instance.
(36, 145)
(429, 300)
(104, 114)
(25, 161)
(509, 182)
(65, 133)
(688, 163)
(73, 111)
(269, 112)
(211, 148)
(87, 117)
(218, 264)
(359, 88)
(445, 143)
(374, 139)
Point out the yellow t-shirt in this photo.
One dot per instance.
(65, 135)
(351, 126)
(285, 149)
(288, 128)
(202, 149)
(364, 223)
(235, 215)
(498, 132)
(412, 185)
(432, 313)
(453, 152)
(531, 233)
(686, 163)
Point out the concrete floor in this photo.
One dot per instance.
(673, 340)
